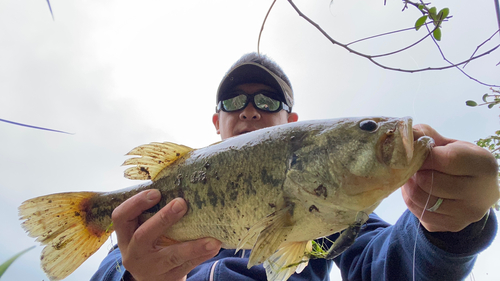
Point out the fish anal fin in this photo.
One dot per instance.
(164, 241)
(347, 237)
(154, 157)
(291, 257)
(59, 221)
(272, 231)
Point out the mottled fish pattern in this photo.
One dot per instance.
(273, 190)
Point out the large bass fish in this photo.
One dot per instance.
(273, 191)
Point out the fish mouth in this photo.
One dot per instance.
(396, 145)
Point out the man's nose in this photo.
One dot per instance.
(250, 113)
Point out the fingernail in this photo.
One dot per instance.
(153, 195)
(211, 245)
(177, 206)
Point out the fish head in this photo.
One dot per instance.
(357, 162)
(385, 153)
(384, 157)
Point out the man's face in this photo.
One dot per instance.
(229, 124)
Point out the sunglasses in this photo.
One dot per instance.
(262, 100)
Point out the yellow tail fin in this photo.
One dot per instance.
(59, 221)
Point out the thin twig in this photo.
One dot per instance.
(407, 47)
(33, 127)
(434, 68)
(480, 45)
(380, 35)
(262, 27)
(414, 4)
(456, 65)
(50, 8)
(389, 33)
(371, 58)
(497, 8)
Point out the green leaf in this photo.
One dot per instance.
(5, 265)
(420, 22)
(437, 34)
(432, 12)
(421, 7)
(444, 13)
(491, 105)
(471, 103)
(484, 97)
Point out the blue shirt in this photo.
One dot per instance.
(381, 252)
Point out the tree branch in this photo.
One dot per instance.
(456, 65)
(262, 27)
(371, 58)
(480, 45)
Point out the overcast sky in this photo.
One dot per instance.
(118, 74)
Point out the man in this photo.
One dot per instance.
(254, 94)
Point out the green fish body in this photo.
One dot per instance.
(273, 190)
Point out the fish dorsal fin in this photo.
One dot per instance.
(292, 257)
(154, 157)
(271, 231)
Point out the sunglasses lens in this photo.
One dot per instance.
(266, 103)
(234, 104)
(261, 101)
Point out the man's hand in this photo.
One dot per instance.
(142, 257)
(464, 175)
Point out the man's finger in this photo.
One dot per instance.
(461, 159)
(445, 185)
(125, 216)
(186, 252)
(422, 199)
(421, 130)
(176, 260)
(153, 228)
(204, 249)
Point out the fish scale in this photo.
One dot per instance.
(229, 194)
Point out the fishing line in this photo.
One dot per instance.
(419, 221)
(117, 261)
(432, 177)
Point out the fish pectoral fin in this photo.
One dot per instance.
(293, 257)
(154, 157)
(272, 232)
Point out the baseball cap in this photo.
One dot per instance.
(254, 68)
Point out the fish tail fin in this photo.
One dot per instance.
(62, 223)
(292, 257)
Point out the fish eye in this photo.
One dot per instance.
(368, 125)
